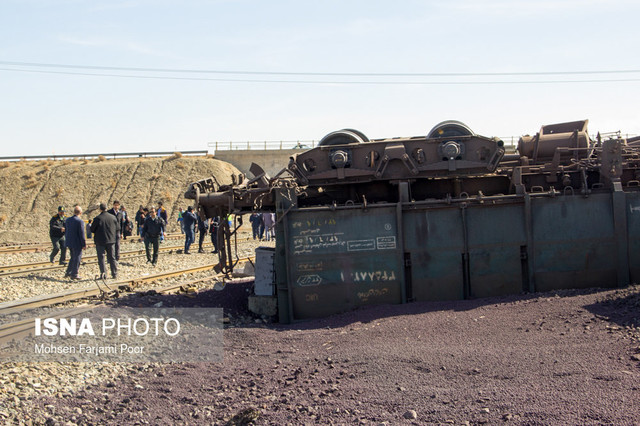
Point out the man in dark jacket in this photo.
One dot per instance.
(75, 241)
(140, 215)
(105, 230)
(189, 220)
(56, 233)
(203, 228)
(151, 230)
(255, 219)
(213, 231)
(115, 211)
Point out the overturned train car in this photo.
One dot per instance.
(445, 216)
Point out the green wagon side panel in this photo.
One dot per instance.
(339, 260)
(435, 242)
(575, 245)
(633, 228)
(496, 237)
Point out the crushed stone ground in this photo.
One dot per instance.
(569, 357)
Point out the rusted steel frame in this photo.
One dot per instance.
(284, 204)
(228, 265)
(443, 202)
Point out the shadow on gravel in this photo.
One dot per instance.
(368, 314)
(373, 313)
(232, 298)
(621, 307)
(45, 278)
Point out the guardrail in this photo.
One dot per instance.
(105, 155)
(263, 145)
(510, 143)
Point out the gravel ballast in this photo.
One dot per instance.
(569, 357)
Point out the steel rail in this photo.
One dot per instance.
(82, 293)
(46, 266)
(24, 327)
(41, 246)
(26, 268)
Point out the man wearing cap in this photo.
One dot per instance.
(75, 242)
(189, 219)
(105, 233)
(56, 233)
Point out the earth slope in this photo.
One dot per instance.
(31, 191)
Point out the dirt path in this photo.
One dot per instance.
(571, 357)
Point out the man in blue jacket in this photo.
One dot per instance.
(189, 219)
(75, 241)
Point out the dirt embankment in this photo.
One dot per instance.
(31, 191)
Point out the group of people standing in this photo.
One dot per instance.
(192, 223)
(107, 229)
(263, 225)
(112, 225)
(68, 233)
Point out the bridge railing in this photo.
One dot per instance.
(260, 145)
(105, 155)
(510, 143)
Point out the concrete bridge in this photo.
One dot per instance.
(271, 160)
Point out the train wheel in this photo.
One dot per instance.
(343, 137)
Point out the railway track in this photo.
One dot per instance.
(26, 268)
(46, 246)
(37, 247)
(24, 327)
(88, 260)
(16, 329)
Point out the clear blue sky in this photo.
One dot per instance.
(62, 110)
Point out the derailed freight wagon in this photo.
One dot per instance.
(442, 217)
